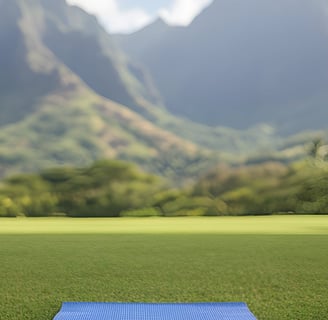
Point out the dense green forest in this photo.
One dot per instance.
(114, 189)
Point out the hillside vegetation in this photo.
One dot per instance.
(113, 189)
(80, 127)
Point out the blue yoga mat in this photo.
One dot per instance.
(154, 311)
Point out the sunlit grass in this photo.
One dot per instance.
(222, 225)
(278, 265)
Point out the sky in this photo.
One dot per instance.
(124, 16)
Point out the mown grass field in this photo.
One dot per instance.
(278, 265)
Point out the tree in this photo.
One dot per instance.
(315, 146)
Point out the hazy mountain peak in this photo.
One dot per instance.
(159, 22)
(241, 62)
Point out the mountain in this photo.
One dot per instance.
(41, 37)
(241, 63)
(68, 96)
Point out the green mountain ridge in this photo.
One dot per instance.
(70, 96)
(51, 116)
(81, 127)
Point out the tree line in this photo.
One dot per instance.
(118, 189)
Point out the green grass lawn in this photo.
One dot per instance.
(278, 265)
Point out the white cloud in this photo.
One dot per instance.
(112, 17)
(182, 12)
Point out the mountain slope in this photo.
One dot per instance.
(44, 34)
(52, 109)
(79, 127)
(241, 63)
(63, 85)
(20, 85)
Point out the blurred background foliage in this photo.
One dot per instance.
(119, 189)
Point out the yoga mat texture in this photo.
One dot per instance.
(154, 311)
